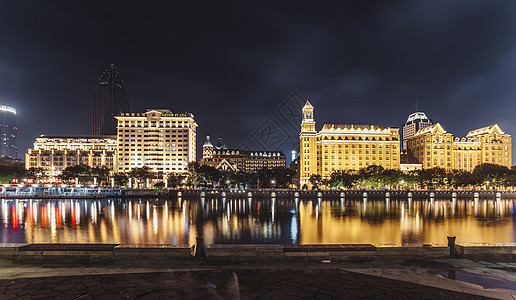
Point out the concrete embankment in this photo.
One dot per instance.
(346, 194)
(235, 253)
(56, 193)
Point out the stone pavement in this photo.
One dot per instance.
(377, 279)
(227, 284)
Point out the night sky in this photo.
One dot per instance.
(233, 64)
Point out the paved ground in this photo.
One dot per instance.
(393, 279)
(227, 284)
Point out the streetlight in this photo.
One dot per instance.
(273, 182)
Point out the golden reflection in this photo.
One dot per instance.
(257, 221)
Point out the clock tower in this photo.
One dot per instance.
(307, 145)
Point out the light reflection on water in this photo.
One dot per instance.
(292, 221)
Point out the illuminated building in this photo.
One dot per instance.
(109, 100)
(415, 122)
(159, 139)
(434, 147)
(56, 153)
(8, 132)
(225, 159)
(207, 148)
(344, 147)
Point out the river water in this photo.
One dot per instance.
(277, 221)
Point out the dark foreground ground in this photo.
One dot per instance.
(357, 279)
(224, 284)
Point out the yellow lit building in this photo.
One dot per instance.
(344, 147)
(159, 139)
(434, 147)
(56, 153)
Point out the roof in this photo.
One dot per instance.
(161, 110)
(485, 130)
(418, 116)
(431, 129)
(362, 127)
(78, 136)
(207, 143)
(356, 128)
(307, 105)
(247, 152)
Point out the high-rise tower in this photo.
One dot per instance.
(416, 121)
(109, 100)
(8, 132)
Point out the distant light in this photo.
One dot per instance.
(7, 109)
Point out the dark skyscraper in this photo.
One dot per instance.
(109, 99)
(8, 132)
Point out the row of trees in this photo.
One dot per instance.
(196, 175)
(202, 175)
(486, 175)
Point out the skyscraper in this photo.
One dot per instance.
(416, 121)
(109, 100)
(8, 132)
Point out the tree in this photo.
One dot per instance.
(121, 179)
(208, 174)
(101, 173)
(315, 180)
(342, 179)
(8, 172)
(35, 173)
(491, 175)
(141, 174)
(175, 180)
(83, 172)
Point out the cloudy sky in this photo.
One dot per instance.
(233, 64)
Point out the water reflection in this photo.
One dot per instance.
(246, 220)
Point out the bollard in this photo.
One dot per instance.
(199, 248)
(453, 247)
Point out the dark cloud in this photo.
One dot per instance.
(232, 64)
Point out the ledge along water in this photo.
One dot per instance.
(95, 192)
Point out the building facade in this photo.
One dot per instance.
(55, 153)
(224, 159)
(110, 99)
(8, 132)
(344, 147)
(159, 139)
(434, 147)
(415, 122)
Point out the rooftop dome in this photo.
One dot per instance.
(208, 142)
(219, 144)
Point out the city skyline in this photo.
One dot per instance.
(358, 72)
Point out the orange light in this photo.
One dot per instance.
(15, 180)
